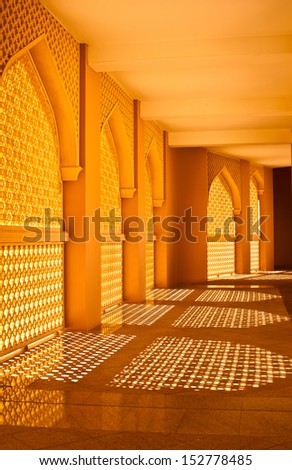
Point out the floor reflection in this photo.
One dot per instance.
(171, 362)
(225, 295)
(168, 294)
(224, 317)
(67, 358)
(23, 407)
(133, 314)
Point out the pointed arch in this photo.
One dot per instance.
(157, 177)
(49, 76)
(259, 182)
(234, 191)
(123, 148)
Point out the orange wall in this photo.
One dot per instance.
(191, 184)
(283, 217)
(267, 208)
(186, 188)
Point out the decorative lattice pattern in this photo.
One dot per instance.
(30, 176)
(221, 251)
(254, 215)
(149, 215)
(111, 95)
(149, 265)
(111, 274)
(26, 20)
(216, 163)
(170, 363)
(31, 276)
(221, 258)
(226, 317)
(220, 210)
(254, 256)
(154, 132)
(111, 252)
(109, 180)
(32, 299)
(253, 203)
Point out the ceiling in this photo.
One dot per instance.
(213, 73)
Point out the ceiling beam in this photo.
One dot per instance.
(117, 56)
(238, 137)
(269, 106)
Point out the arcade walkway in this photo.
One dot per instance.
(202, 367)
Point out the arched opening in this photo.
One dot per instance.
(157, 176)
(32, 196)
(46, 69)
(150, 228)
(256, 188)
(221, 227)
(111, 228)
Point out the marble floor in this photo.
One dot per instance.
(207, 366)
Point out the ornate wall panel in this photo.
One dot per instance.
(111, 95)
(111, 251)
(216, 163)
(31, 275)
(149, 242)
(30, 161)
(221, 251)
(254, 244)
(26, 20)
(153, 131)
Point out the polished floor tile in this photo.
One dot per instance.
(205, 366)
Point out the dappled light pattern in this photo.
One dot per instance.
(170, 363)
(223, 295)
(68, 358)
(168, 294)
(275, 277)
(225, 317)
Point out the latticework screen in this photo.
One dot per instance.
(150, 242)
(30, 175)
(26, 20)
(111, 250)
(32, 301)
(31, 275)
(221, 251)
(254, 215)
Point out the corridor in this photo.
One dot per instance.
(205, 366)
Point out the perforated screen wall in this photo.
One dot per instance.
(31, 275)
(254, 214)
(111, 251)
(221, 251)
